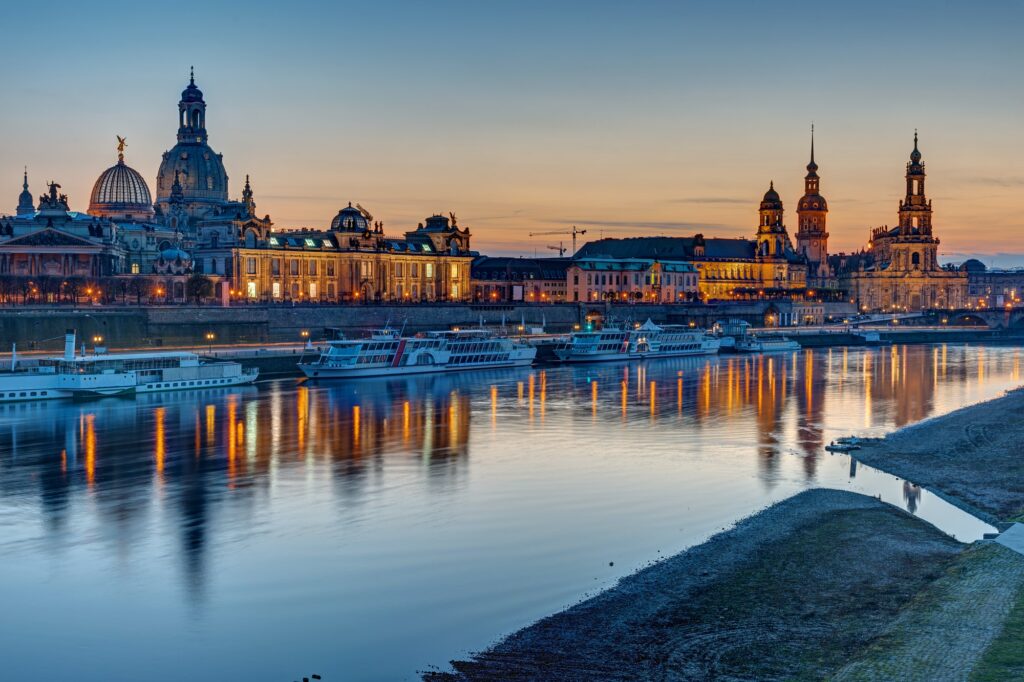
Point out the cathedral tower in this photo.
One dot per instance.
(811, 235)
(772, 238)
(198, 170)
(915, 209)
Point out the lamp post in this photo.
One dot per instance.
(210, 336)
(305, 336)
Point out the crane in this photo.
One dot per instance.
(560, 249)
(575, 231)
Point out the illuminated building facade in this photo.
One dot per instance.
(534, 280)
(353, 261)
(726, 268)
(900, 268)
(632, 279)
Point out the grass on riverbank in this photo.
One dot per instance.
(956, 625)
(1004, 659)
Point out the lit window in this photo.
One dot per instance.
(135, 268)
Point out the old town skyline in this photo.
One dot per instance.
(648, 143)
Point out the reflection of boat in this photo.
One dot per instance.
(752, 343)
(98, 375)
(387, 353)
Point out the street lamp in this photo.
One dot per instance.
(210, 336)
(305, 335)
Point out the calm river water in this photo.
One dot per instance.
(370, 529)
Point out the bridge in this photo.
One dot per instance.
(993, 318)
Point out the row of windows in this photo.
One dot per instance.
(474, 359)
(365, 268)
(619, 280)
(187, 384)
(28, 394)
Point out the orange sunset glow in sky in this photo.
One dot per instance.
(655, 118)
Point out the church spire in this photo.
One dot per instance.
(250, 204)
(26, 206)
(812, 167)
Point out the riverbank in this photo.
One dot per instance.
(972, 457)
(788, 593)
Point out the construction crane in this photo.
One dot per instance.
(560, 249)
(575, 231)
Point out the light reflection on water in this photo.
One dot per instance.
(369, 529)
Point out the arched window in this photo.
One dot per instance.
(915, 259)
(195, 118)
(250, 239)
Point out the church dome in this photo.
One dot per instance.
(200, 172)
(121, 192)
(350, 219)
(175, 254)
(771, 199)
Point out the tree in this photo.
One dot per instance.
(198, 287)
(138, 287)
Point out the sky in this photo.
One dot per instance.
(625, 119)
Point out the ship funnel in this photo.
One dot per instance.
(69, 344)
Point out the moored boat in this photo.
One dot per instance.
(387, 353)
(81, 376)
(752, 343)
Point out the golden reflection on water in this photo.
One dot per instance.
(246, 431)
(159, 440)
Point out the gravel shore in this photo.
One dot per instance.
(788, 593)
(974, 456)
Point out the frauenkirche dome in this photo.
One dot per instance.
(120, 192)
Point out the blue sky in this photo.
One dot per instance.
(651, 117)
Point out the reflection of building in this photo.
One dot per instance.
(900, 268)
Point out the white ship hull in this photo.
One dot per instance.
(83, 377)
(315, 371)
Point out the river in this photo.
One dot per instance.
(370, 529)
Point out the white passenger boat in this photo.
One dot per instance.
(752, 343)
(80, 376)
(385, 352)
(610, 343)
(478, 348)
(671, 340)
(388, 353)
(647, 341)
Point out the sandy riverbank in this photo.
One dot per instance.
(788, 593)
(974, 456)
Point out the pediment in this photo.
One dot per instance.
(49, 236)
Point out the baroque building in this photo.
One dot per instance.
(727, 268)
(900, 270)
(194, 227)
